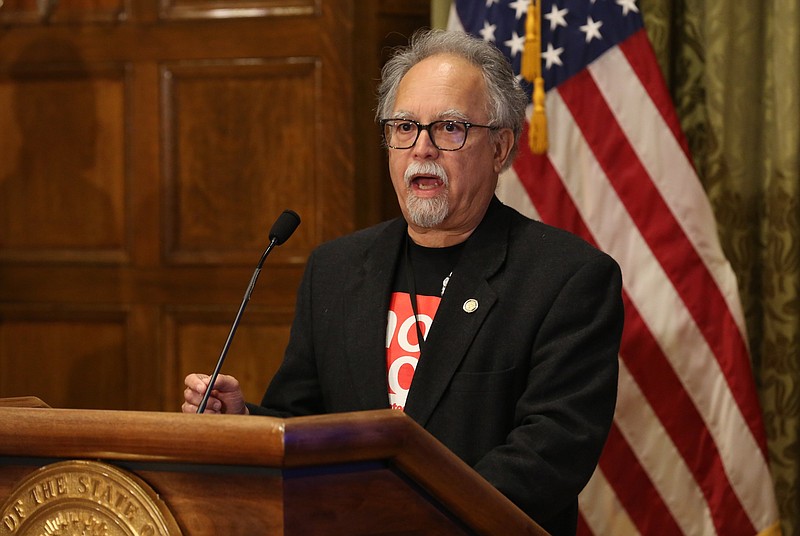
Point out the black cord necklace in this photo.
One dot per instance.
(412, 292)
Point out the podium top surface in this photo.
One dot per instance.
(387, 436)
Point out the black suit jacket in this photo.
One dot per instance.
(523, 389)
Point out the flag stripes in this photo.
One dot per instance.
(665, 466)
(606, 514)
(564, 202)
(687, 452)
(679, 254)
(646, 507)
(665, 392)
(674, 432)
(639, 53)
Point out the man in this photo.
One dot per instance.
(519, 323)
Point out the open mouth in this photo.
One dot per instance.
(425, 179)
(425, 183)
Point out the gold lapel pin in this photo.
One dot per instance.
(471, 305)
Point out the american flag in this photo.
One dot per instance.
(687, 451)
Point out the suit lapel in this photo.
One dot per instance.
(457, 321)
(365, 312)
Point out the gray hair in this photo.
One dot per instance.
(507, 100)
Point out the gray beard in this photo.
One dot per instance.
(427, 212)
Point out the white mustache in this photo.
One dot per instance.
(425, 168)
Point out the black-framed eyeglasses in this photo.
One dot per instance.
(447, 135)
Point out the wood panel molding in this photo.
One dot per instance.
(160, 141)
(194, 338)
(64, 181)
(218, 9)
(239, 148)
(70, 358)
(29, 12)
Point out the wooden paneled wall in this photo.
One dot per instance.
(146, 147)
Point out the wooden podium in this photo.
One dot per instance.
(374, 472)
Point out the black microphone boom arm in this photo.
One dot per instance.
(281, 230)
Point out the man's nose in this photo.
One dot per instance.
(425, 148)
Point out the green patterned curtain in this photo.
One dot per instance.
(733, 68)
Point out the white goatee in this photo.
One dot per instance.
(426, 212)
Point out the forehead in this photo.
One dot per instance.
(442, 83)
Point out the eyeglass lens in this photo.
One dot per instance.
(446, 135)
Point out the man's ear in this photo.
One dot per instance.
(503, 142)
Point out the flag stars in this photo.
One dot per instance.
(521, 6)
(516, 44)
(488, 31)
(592, 29)
(552, 56)
(490, 3)
(628, 6)
(556, 17)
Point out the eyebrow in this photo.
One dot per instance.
(454, 114)
(451, 114)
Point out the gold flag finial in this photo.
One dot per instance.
(531, 70)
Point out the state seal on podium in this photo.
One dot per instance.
(88, 498)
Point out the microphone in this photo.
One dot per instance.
(280, 232)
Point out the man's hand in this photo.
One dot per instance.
(226, 397)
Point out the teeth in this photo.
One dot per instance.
(427, 183)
